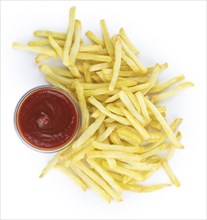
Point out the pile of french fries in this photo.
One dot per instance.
(125, 137)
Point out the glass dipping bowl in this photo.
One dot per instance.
(41, 120)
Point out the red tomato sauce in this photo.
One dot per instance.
(47, 119)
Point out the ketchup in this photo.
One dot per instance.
(47, 119)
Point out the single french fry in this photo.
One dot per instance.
(95, 57)
(43, 33)
(87, 73)
(107, 38)
(83, 105)
(165, 95)
(45, 42)
(127, 41)
(75, 47)
(40, 50)
(95, 38)
(170, 173)
(55, 46)
(117, 63)
(69, 36)
(143, 107)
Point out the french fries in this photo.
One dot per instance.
(133, 56)
(128, 104)
(101, 108)
(123, 130)
(100, 181)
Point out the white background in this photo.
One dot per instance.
(163, 31)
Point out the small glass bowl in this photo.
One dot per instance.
(42, 149)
